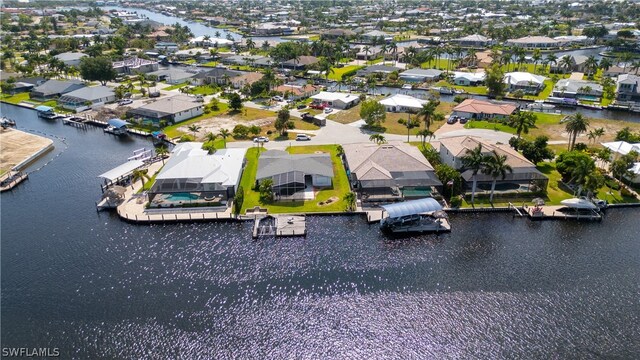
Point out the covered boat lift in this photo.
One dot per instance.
(120, 173)
(421, 215)
(117, 127)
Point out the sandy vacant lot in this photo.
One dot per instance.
(16, 146)
(215, 124)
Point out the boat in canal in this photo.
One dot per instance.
(117, 127)
(415, 216)
(46, 112)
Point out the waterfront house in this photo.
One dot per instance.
(627, 88)
(87, 97)
(480, 109)
(420, 75)
(166, 47)
(468, 79)
(336, 100)
(368, 52)
(52, 89)
(620, 148)
(389, 172)
(334, 34)
(245, 78)
(577, 63)
(210, 42)
(170, 110)
(527, 82)
(300, 63)
(402, 103)
(475, 41)
(135, 65)
(534, 42)
(377, 69)
(192, 175)
(615, 70)
(292, 173)
(375, 35)
(524, 175)
(219, 76)
(70, 58)
(579, 89)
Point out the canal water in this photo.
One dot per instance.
(495, 287)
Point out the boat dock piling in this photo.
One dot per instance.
(553, 213)
(11, 179)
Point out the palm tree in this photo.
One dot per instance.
(474, 160)
(551, 59)
(536, 57)
(139, 174)
(595, 134)
(591, 64)
(581, 171)
(496, 165)
(194, 129)
(224, 134)
(522, 121)
(605, 64)
(377, 138)
(427, 112)
(566, 62)
(162, 151)
(424, 134)
(366, 49)
(393, 47)
(576, 125)
(350, 199)
(209, 137)
(409, 124)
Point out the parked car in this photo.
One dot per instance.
(277, 98)
(301, 106)
(261, 139)
(200, 98)
(154, 94)
(318, 106)
(303, 137)
(125, 102)
(463, 120)
(452, 119)
(328, 110)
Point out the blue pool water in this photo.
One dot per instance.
(182, 197)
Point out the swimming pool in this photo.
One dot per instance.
(182, 197)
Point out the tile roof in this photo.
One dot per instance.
(475, 106)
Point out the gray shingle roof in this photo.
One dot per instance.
(277, 162)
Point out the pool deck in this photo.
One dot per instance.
(133, 210)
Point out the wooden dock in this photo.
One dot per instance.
(280, 226)
(554, 213)
(12, 179)
(75, 121)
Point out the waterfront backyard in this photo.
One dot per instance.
(340, 185)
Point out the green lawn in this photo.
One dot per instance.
(211, 64)
(440, 64)
(15, 99)
(177, 86)
(338, 72)
(173, 132)
(483, 124)
(204, 90)
(548, 88)
(339, 189)
(540, 129)
(479, 90)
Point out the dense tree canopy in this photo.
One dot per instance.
(97, 69)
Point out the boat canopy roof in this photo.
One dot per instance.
(43, 108)
(117, 123)
(412, 207)
(122, 170)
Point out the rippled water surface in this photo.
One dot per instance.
(495, 287)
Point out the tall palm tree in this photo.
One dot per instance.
(591, 64)
(366, 49)
(378, 138)
(474, 160)
(581, 171)
(224, 134)
(605, 64)
(394, 50)
(162, 151)
(210, 137)
(409, 124)
(566, 62)
(536, 57)
(194, 129)
(551, 59)
(576, 125)
(522, 121)
(496, 165)
(427, 111)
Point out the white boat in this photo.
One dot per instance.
(539, 105)
(580, 204)
(415, 216)
(407, 86)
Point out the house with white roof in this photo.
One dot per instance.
(475, 40)
(376, 34)
(402, 103)
(620, 148)
(192, 174)
(211, 42)
(468, 79)
(335, 99)
(527, 82)
(578, 89)
(70, 58)
(534, 42)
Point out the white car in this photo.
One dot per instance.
(328, 110)
(125, 102)
(261, 139)
(277, 98)
(303, 137)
